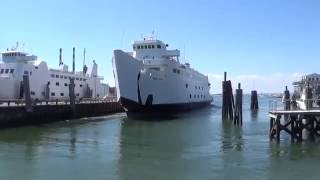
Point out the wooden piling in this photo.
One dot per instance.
(286, 99)
(254, 100)
(227, 99)
(26, 87)
(238, 106)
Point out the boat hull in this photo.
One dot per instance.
(136, 110)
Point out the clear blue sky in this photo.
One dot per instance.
(255, 41)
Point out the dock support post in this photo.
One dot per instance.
(271, 135)
(292, 128)
(254, 100)
(238, 106)
(311, 121)
(278, 128)
(26, 87)
(299, 128)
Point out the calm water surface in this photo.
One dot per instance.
(198, 146)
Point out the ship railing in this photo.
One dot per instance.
(289, 105)
(35, 102)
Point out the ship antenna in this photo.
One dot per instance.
(73, 60)
(184, 52)
(84, 57)
(60, 56)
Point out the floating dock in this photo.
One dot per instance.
(17, 112)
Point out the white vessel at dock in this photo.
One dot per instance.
(151, 80)
(307, 92)
(45, 83)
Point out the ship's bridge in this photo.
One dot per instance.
(17, 56)
(150, 49)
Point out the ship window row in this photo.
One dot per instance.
(198, 87)
(66, 84)
(12, 54)
(6, 71)
(313, 79)
(197, 96)
(67, 77)
(150, 46)
(177, 71)
(62, 94)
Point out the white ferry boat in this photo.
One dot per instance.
(151, 81)
(45, 83)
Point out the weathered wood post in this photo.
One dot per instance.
(27, 97)
(227, 99)
(238, 106)
(254, 100)
(71, 87)
(309, 97)
(278, 128)
(286, 99)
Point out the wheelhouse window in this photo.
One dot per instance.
(11, 71)
(57, 83)
(152, 46)
(159, 46)
(61, 94)
(174, 70)
(53, 94)
(149, 46)
(52, 75)
(146, 47)
(7, 71)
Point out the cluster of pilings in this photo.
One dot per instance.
(232, 109)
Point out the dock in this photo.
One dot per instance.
(16, 112)
(294, 122)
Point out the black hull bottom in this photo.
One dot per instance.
(135, 110)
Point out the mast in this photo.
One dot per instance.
(60, 57)
(73, 60)
(84, 57)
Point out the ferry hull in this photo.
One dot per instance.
(136, 110)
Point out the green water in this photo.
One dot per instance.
(198, 146)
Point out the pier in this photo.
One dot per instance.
(294, 122)
(18, 112)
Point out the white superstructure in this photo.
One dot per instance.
(45, 83)
(151, 78)
(307, 92)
